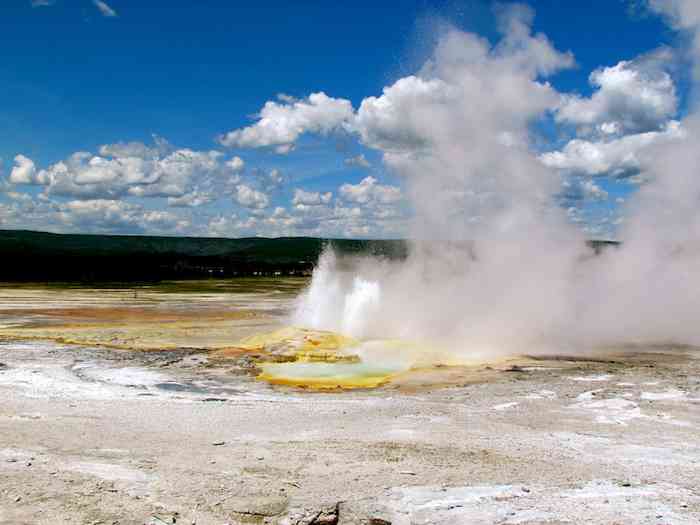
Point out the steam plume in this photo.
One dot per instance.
(509, 273)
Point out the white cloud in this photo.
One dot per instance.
(369, 191)
(684, 14)
(617, 157)
(113, 215)
(235, 164)
(632, 97)
(133, 149)
(24, 171)
(251, 198)
(273, 180)
(399, 120)
(311, 198)
(191, 200)
(281, 123)
(522, 50)
(280, 222)
(359, 161)
(283, 149)
(42, 3)
(593, 190)
(577, 189)
(128, 169)
(104, 9)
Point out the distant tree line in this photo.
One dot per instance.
(27, 256)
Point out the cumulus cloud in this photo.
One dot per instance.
(399, 120)
(684, 15)
(359, 161)
(616, 157)
(370, 191)
(311, 198)
(134, 149)
(24, 171)
(251, 198)
(634, 96)
(191, 200)
(280, 124)
(107, 215)
(576, 190)
(128, 169)
(235, 164)
(104, 9)
(269, 180)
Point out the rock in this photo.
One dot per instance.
(327, 515)
(363, 512)
(291, 482)
(218, 443)
(257, 506)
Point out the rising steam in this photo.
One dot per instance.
(510, 274)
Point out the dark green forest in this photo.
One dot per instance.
(27, 256)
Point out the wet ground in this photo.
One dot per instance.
(129, 421)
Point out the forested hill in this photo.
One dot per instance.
(37, 256)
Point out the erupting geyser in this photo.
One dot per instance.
(511, 274)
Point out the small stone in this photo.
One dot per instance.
(291, 482)
(18, 499)
(260, 506)
(218, 443)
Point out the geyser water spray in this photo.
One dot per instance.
(511, 274)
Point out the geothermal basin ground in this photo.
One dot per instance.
(197, 403)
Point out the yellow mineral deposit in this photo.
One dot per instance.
(314, 359)
(321, 360)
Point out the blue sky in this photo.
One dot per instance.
(80, 74)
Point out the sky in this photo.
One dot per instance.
(234, 119)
